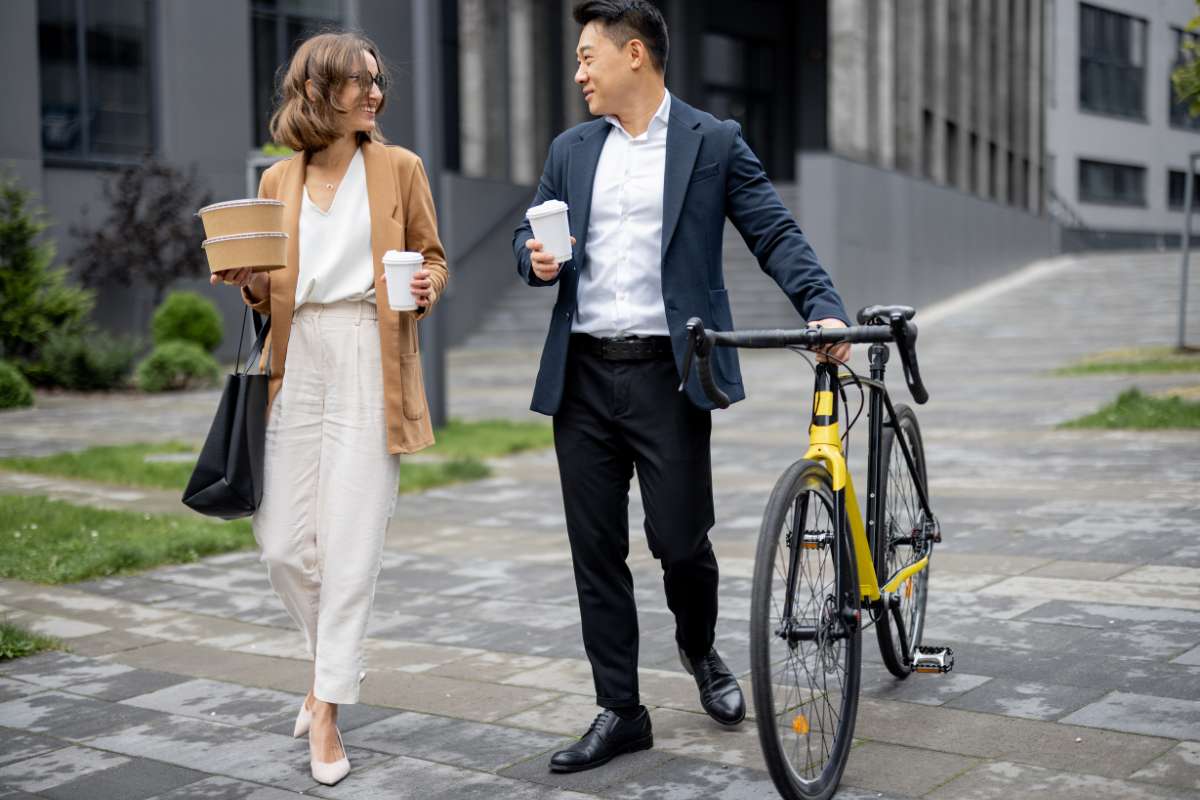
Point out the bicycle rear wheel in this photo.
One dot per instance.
(902, 542)
(805, 661)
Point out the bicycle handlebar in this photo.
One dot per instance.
(898, 329)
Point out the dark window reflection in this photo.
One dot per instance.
(277, 29)
(95, 77)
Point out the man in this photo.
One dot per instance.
(648, 187)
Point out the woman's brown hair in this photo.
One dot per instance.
(328, 59)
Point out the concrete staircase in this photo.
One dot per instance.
(520, 314)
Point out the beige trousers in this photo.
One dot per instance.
(329, 487)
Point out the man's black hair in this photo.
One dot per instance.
(624, 20)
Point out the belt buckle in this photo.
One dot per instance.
(610, 346)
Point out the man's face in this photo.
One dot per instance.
(605, 70)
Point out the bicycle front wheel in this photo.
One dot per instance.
(805, 641)
(902, 543)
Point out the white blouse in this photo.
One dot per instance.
(335, 245)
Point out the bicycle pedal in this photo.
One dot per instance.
(816, 540)
(934, 660)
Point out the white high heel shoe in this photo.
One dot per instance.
(304, 718)
(303, 721)
(330, 773)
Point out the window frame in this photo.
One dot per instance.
(279, 18)
(1141, 169)
(1083, 60)
(1174, 106)
(88, 158)
(1182, 173)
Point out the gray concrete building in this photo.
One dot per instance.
(1117, 142)
(907, 135)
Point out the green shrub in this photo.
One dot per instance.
(14, 389)
(35, 299)
(90, 362)
(177, 365)
(188, 317)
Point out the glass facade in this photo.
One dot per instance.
(1111, 184)
(277, 27)
(94, 60)
(1112, 62)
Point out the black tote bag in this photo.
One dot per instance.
(228, 479)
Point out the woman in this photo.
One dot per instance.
(346, 395)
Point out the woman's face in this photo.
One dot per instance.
(360, 116)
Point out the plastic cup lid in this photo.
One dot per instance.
(402, 257)
(546, 209)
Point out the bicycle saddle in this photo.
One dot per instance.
(884, 313)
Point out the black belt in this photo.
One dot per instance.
(624, 348)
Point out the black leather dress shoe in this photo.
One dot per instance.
(608, 737)
(720, 694)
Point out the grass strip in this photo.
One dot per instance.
(419, 477)
(1137, 411)
(17, 642)
(121, 464)
(462, 445)
(49, 541)
(489, 438)
(1135, 361)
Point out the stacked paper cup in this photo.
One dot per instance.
(244, 234)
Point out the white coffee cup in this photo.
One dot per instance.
(550, 227)
(399, 267)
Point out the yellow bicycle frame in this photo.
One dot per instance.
(825, 446)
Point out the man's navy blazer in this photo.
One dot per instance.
(711, 174)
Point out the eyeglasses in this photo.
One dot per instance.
(379, 80)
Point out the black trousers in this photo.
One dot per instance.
(617, 416)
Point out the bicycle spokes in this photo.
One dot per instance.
(808, 651)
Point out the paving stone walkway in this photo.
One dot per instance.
(1068, 586)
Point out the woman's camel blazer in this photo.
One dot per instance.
(402, 218)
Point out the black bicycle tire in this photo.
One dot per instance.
(784, 778)
(884, 629)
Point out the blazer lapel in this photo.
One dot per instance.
(581, 174)
(382, 200)
(291, 192)
(683, 144)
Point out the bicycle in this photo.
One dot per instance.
(817, 565)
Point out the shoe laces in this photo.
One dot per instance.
(601, 719)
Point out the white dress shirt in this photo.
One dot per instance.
(335, 245)
(620, 289)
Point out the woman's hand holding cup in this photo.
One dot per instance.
(422, 289)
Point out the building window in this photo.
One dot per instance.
(927, 152)
(1111, 184)
(1112, 62)
(951, 154)
(1010, 177)
(94, 72)
(993, 189)
(1184, 54)
(973, 165)
(277, 29)
(1176, 191)
(739, 76)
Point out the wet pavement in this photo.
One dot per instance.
(1068, 585)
